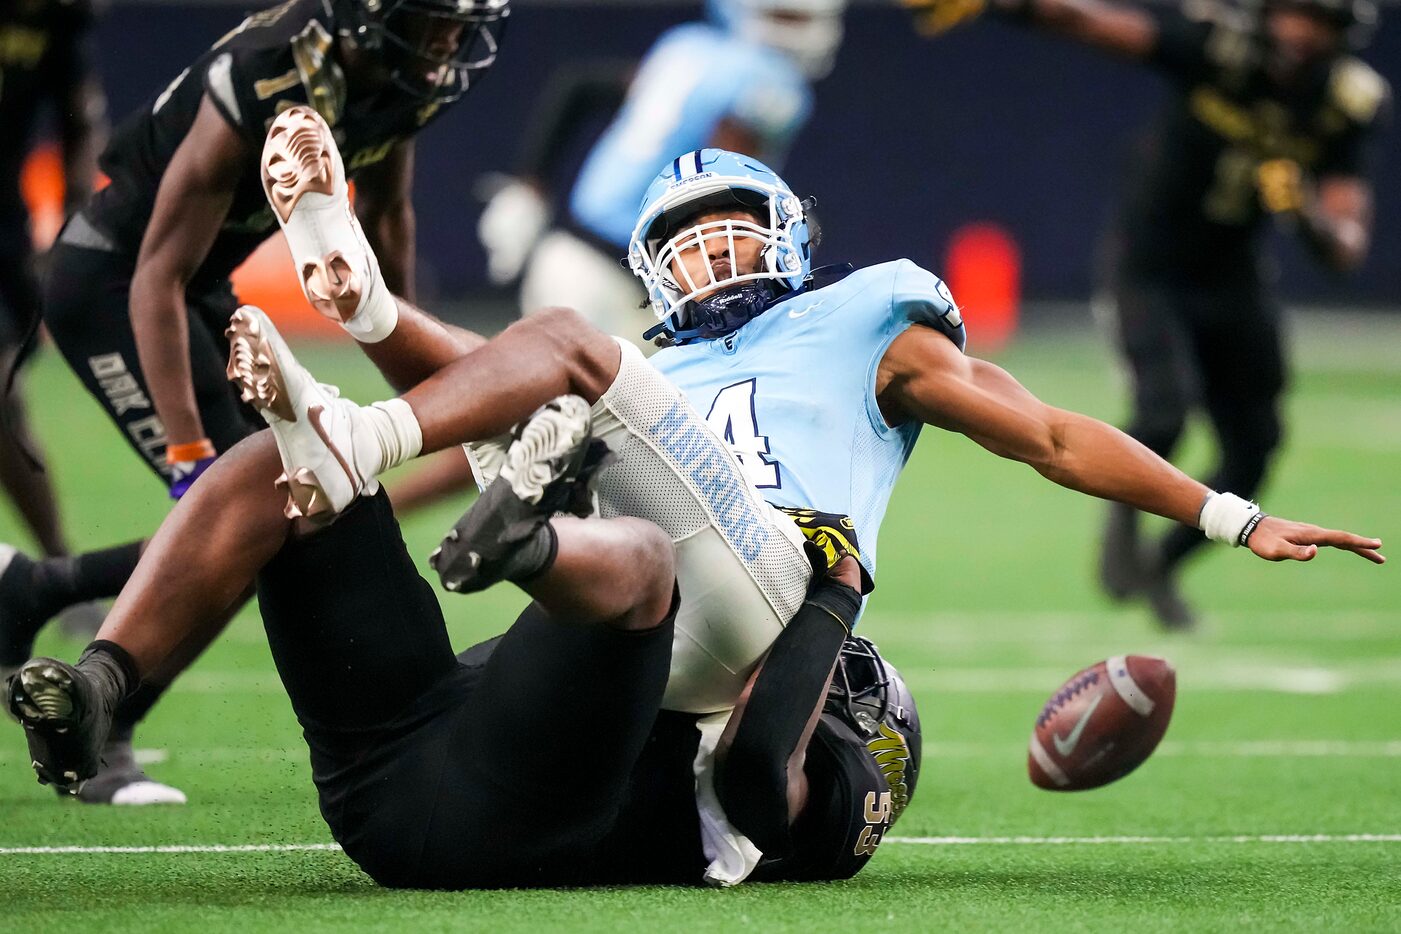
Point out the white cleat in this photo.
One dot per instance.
(122, 782)
(304, 180)
(316, 430)
(140, 794)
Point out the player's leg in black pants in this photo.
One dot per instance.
(86, 310)
(1154, 339)
(505, 770)
(1241, 354)
(27, 487)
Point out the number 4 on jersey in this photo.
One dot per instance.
(732, 417)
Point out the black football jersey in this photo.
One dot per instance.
(43, 53)
(273, 60)
(1195, 209)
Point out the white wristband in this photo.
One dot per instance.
(1224, 517)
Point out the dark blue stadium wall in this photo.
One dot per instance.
(910, 139)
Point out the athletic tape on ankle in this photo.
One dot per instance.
(1224, 517)
(397, 430)
(377, 317)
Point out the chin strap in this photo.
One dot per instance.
(720, 314)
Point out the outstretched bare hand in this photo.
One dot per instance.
(1276, 539)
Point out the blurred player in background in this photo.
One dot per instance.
(137, 296)
(739, 81)
(45, 63)
(1273, 117)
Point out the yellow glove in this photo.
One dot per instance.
(1281, 184)
(936, 17)
(830, 538)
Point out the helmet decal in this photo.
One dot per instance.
(869, 696)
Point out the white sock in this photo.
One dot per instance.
(395, 434)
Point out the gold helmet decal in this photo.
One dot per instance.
(892, 755)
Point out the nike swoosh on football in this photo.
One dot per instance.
(1065, 746)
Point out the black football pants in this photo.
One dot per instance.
(1220, 349)
(19, 295)
(506, 767)
(86, 308)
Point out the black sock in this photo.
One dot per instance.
(134, 709)
(535, 556)
(111, 670)
(61, 582)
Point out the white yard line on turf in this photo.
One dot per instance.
(1277, 678)
(1219, 749)
(952, 749)
(1097, 841)
(179, 849)
(1096, 627)
(1283, 679)
(920, 841)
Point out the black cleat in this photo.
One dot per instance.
(1170, 608)
(549, 468)
(122, 782)
(1121, 571)
(64, 719)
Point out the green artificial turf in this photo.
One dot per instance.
(1288, 720)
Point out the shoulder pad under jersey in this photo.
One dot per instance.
(1356, 89)
(920, 297)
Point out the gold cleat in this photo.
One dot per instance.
(314, 428)
(254, 368)
(297, 158)
(331, 286)
(304, 180)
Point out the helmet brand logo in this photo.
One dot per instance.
(892, 755)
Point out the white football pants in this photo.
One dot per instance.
(740, 564)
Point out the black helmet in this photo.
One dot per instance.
(869, 696)
(388, 26)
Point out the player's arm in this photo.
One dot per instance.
(760, 781)
(1332, 211)
(1116, 28)
(1334, 218)
(575, 93)
(1122, 30)
(1337, 223)
(384, 204)
(924, 376)
(193, 199)
(517, 207)
(736, 136)
(82, 118)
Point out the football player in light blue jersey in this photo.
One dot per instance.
(793, 390)
(739, 81)
(820, 380)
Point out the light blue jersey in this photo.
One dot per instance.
(695, 77)
(793, 391)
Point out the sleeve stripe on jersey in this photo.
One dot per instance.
(221, 85)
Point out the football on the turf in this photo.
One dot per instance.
(1102, 723)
